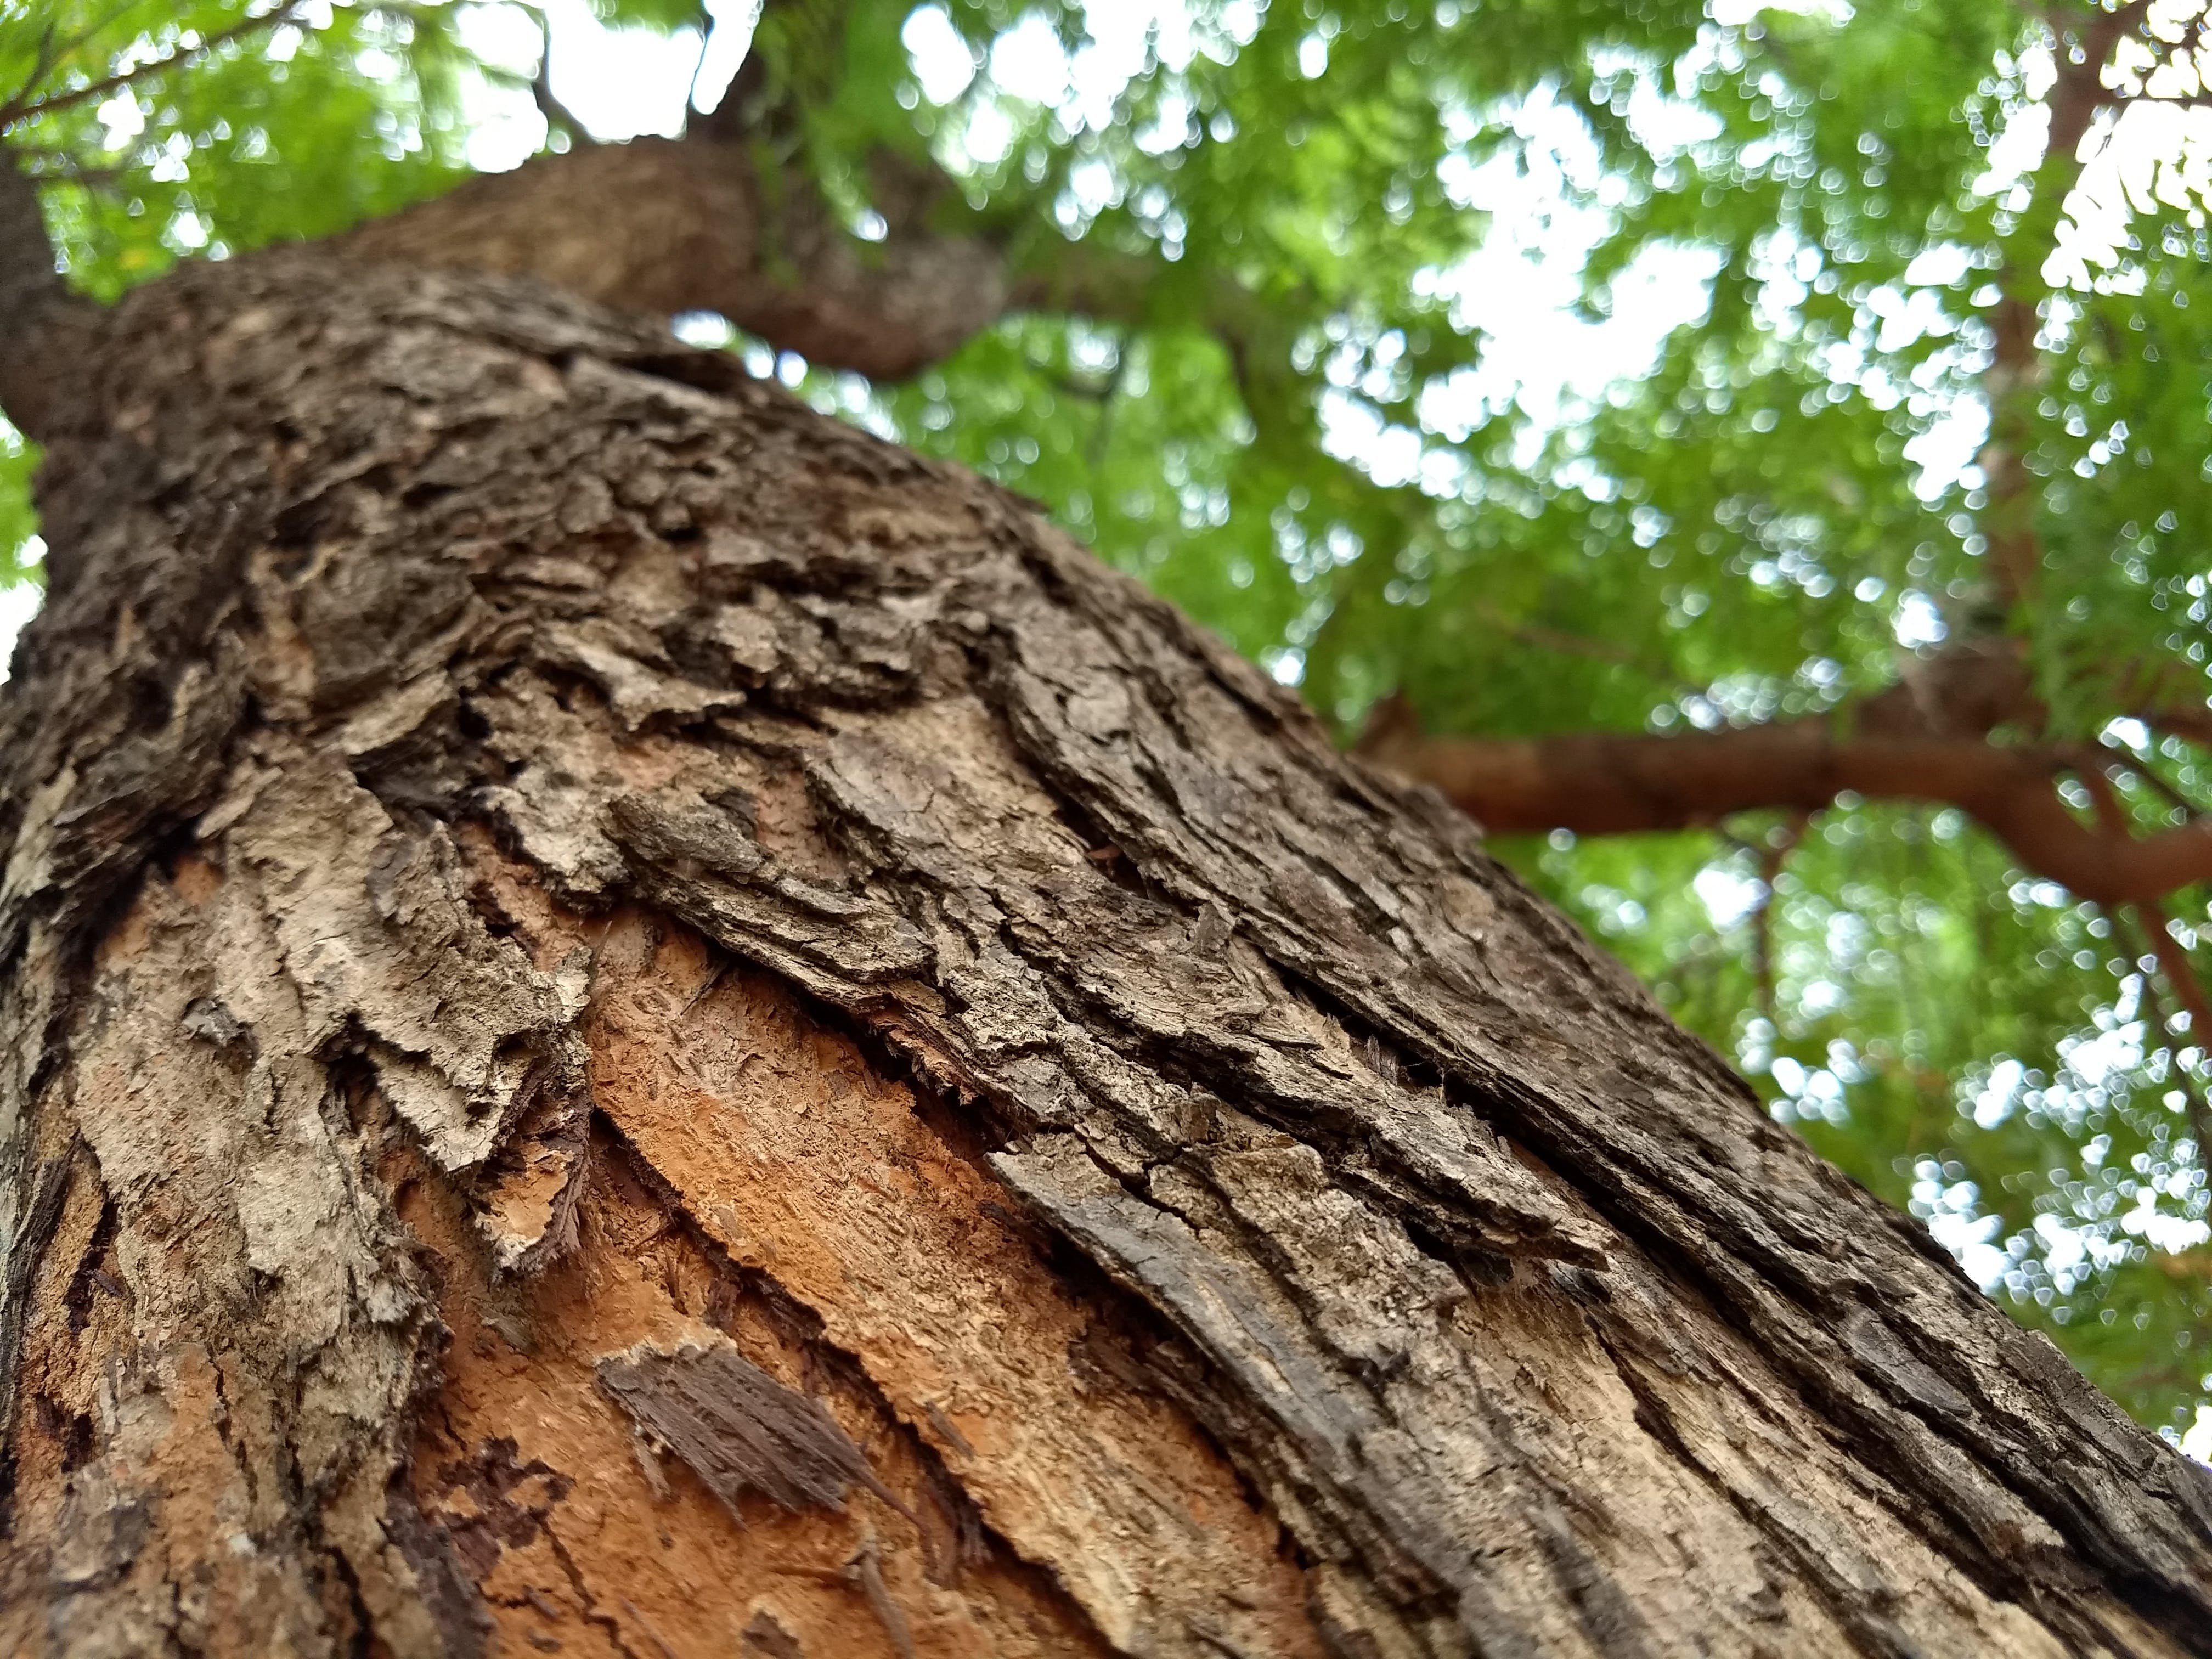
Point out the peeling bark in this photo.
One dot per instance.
(534, 863)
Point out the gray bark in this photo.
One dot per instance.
(633, 1020)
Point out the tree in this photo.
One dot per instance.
(614, 986)
(1695, 604)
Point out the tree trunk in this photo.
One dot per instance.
(634, 1024)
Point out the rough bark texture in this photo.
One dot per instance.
(634, 1024)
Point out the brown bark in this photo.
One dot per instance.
(1604, 783)
(631, 1019)
(708, 223)
(1936, 737)
(2015, 374)
(659, 227)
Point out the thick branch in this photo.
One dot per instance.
(1603, 783)
(36, 308)
(659, 227)
(729, 220)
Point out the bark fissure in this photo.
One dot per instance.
(31, 1230)
(1855, 1601)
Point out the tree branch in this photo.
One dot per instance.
(2079, 92)
(2016, 369)
(1563, 643)
(2180, 976)
(1902, 745)
(52, 52)
(24, 107)
(714, 222)
(2144, 775)
(559, 118)
(2173, 965)
(1771, 852)
(659, 227)
(35, 305)
(729, 219)
(2199, 1114)
(723, 222)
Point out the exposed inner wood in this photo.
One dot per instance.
(790, 1155)
(575, 1529)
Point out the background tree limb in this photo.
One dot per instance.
(1932, 737)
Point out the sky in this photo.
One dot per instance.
(18, 604)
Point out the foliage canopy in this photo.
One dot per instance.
(1313, 438)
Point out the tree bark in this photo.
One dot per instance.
(635, 1024)
(658, 226)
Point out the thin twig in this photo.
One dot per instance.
(2175, 970)
(559, 118)
(50, 54)
(2173, 965)
(1088, 392)
(62, 167)
(1542, 638)
(1101, 433)
(43, 63)
(1771, 853)
(2105, 754)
